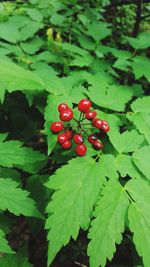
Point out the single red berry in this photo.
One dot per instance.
(66, 145)
(62, 138)
(80, 150)
(62, 107)
(68, 133)
(66, 115)
(56, 127)
(97, 123)
(90, 114)
(105, 127)
(92, 138)
(98, 145)
(84, 105)
(78, 139)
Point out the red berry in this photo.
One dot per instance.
(66, 145)
(80, 150)
(62, 138)
(56, 127)
(66, 115)
(105, 126)
(78, 139)
(97, 123)
(98, 145)
(90, 114)
(62, 107)
(68, 133)
(92, 138)
(84, 105)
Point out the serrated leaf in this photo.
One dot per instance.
(34, 14)
(98, 30)
(72, 203)
(51, 115)
(4, 247)
(141, 105)
(140, 67)
(107, 167)
(108, 226)
(127, 141)
(105, 94)
(142, 123)
(139, 223)
(13, 154)
(18, 78)
(139, 217)
(30, 29)
(125, 166)
(16, 200)
(141, 159)
(141, 42)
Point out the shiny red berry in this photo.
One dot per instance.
(97, 123)
(80, 150)
(68, 133)
(90, 115)
(78, 139)
(66, 115)
(62, 107)
(66, 145)
(84, 105)
(62, 138)
(92, 138)
(56, 127)
(98, 145)
(105, 127)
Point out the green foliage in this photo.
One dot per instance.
(72, 202)
(109, 224)
(4, 247)
(64, 51)
(12, 196)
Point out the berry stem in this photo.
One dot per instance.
(86, 124)
(80, 116)
(75, 120)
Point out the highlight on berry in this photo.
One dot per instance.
(77, 135)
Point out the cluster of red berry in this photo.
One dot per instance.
(66, 115)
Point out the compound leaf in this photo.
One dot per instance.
(73, 202)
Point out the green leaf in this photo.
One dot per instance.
(141, 42)
(18, 260)
(4, 247)
(108, 226)
(125, 166)
(73, 202)
(51, 115)
(140, 67)
(16, 200)
(107, 167)
(9, 32)
(32, 47)
(13, 154)
(106, 95)
(141, 105)
(18, 78)
(98, 30)
(127, 141)
(34, 14)
(139, 217)
(142, 123)
(141, 159)
(30, 29)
